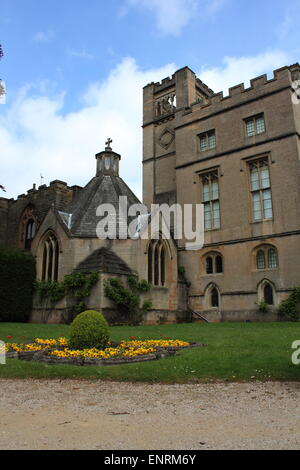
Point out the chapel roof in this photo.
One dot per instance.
(103, 260)
(106, 187)
(102, 189)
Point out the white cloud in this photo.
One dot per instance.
(237, 70)
(38, 137)
(43, 36)
(173, 15)
(80, 53)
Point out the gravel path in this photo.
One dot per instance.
(65, 414)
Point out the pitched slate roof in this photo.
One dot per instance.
(103, 189)
(103, 260)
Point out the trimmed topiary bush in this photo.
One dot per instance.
(89, 330)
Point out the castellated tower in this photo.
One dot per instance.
(161, 102)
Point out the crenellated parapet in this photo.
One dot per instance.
(259, 86)
(34, 204)
(55, 186)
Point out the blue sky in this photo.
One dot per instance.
(74, 73)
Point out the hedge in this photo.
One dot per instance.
(17, 275)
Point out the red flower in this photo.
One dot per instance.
(9, 337)
(132, 337)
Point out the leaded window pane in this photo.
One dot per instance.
(256, 206)
(261, 196)
(254, 179)
(265, 178)
(250, 128)
(211, 200)
(206, 195)
(209, 265)
(260, 125)
(208, 141)
(212, 141)
(255, 125)
(215, 190)
(260, 260)
(150, 263)
(272, 255)
(207, 216)
(162, 267)
(216, 214)
(203, 143)
(219, 264)
(156, 265)
(50, 261)
(267, 204)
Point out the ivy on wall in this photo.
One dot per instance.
(127, 298)
(77, 286)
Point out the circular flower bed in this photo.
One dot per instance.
(57, 351)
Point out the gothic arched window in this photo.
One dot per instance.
(50, 258)
(219, 264)
(28, 227)
(29, 233)
(157, 263)
(150, 261)
(272, 258)
(266, 257)
(209, 265)
(214, 263)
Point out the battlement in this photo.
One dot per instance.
(203, 86)
(168, 81)
(56, 186)
(282, 78)
(165, 83)
(4, 203)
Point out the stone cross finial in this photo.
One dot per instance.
(109, 141)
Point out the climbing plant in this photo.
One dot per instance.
(290, 308)
(77, 286)
(128, 298)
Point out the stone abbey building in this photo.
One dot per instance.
(238, 155)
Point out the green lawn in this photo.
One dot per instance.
(234, 352)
